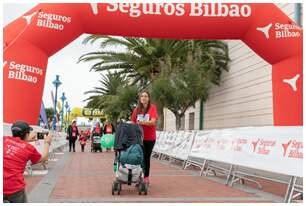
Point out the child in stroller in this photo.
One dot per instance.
(96, 143)
(96, 138)
(128, 164)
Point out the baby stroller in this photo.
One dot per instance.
(128, 164)
(96, 143)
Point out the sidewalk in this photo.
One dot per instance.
(87, 177)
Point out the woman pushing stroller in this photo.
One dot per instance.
(133, 146)
(145, 114)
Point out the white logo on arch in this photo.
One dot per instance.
(265, 30)
(28, 18)
(94, 8)
(292, 82)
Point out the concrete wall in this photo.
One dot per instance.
(244, 97)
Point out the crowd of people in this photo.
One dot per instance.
(74, 134)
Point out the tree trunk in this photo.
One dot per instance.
(178, 121)
(160, 125)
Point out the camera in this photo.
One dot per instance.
(41, 135)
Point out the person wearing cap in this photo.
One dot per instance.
(72, 133)
(17, 151)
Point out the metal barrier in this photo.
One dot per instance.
(294, 190)
(176, 146)
(199, 164)
(232, 171)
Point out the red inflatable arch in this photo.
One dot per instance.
(47, 28)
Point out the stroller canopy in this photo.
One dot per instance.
(128, 134)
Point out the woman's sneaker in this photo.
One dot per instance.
(146, 180)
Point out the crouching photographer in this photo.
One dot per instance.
(17, 151)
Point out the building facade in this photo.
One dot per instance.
(244, 97)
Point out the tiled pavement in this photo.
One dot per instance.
(87, 177)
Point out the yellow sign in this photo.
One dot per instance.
(86, 112)
(76, 112)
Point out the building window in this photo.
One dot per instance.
(191, 121)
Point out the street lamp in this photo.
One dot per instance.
(68, 113)
(56, 83)
(63, 98)
(66, 106)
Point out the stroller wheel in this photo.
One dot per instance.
(119, 187)
(146, 186)
(141, 188)
(116, 186)
(113, 189)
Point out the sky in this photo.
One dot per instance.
(75, 77)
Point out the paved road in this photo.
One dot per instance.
(87, 177)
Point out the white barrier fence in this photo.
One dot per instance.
(273, 149)
(174, 144)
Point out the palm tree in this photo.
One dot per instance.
(144, 59)
(109, 83)
(139, 59)
(115, 97)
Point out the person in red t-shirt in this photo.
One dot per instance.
(145, 114)
(17, 151)
(82, 140)
(97, 130)
(86, 134)
(108, 129)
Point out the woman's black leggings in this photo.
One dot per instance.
(17, 197)
(147, 151)
(72, 144)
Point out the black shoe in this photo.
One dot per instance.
(73, 150)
